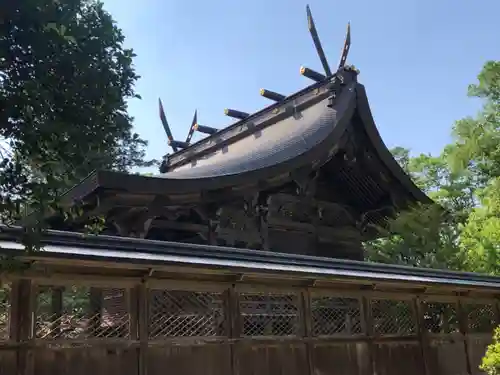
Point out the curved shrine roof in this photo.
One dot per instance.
(324, 132)
(263, 151)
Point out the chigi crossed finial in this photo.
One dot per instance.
(177, 145)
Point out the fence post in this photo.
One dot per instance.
(56, 301)
(464, 329)
(21, 324)
(367, 325)
(421, 332)
(307, 328)
(143, 327)
(139, 324)
(232, 326)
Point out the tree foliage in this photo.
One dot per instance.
(463, 231)
(65, 77)
(480, 239)
(491, 361)
(428, 236)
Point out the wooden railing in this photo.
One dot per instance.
(79, 324)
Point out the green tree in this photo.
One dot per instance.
(463, 181)
(402, 155)
(491, 361)
(480, 238)
(477, 139)
(477, 149)
(64, 81)
(427, 236)
(420, 237)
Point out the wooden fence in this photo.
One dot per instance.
(79, 325)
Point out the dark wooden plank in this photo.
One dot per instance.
(417, 307)
(143, 328)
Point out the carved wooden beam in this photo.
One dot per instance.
(289, 207)
(101, 206)
(180, 226)
(137, 222)
(306, 182)
(237, 222)
(232, 236)
(208, 215)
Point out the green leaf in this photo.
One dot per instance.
(66, 88)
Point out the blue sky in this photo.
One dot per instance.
(416, 59)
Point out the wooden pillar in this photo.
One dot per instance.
(232, 326)
(56, 299)
(422, 334)
(95, 309)
(139, 324)
(133, 308)
(367, 325)
(21, 324)
(464, 329)
(306, 331)
(212, 235)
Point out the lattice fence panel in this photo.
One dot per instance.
(335, 316)
(269, 314)
(4, 311)
(392, 317)
(79, 312)
(481, 318)
(186, 314)
(440, 317)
